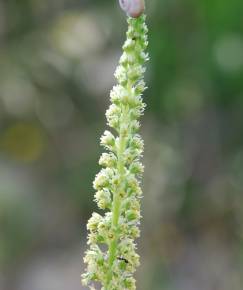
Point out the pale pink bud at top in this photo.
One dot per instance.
(133, 8)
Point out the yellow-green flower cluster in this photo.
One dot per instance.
(112, 259)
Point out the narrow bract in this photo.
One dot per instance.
(111, 258)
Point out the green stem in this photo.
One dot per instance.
(116, 204)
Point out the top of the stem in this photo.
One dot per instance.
(133, 8)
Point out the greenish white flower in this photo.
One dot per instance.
(112, 259)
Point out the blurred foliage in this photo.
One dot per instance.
(57, 60)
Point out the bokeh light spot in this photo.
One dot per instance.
(76, 35)
(23, 142)
(229, 53)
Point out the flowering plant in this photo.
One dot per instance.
(111, 258)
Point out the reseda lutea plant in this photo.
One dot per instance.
(112, 259)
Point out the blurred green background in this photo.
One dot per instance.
(57, 60)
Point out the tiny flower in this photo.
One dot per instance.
(103, 198)
(94, 221)
(113, 116)
(129, 283)
(134, 125)
(132, 186)
(103, 178)
(107, 140)
(104, 228)
(108, 160)
(136, 168)
(137, 143)
(132, 215)
(129, 45)
(140, 87)
(135, 73)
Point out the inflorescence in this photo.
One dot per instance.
(111, 258)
